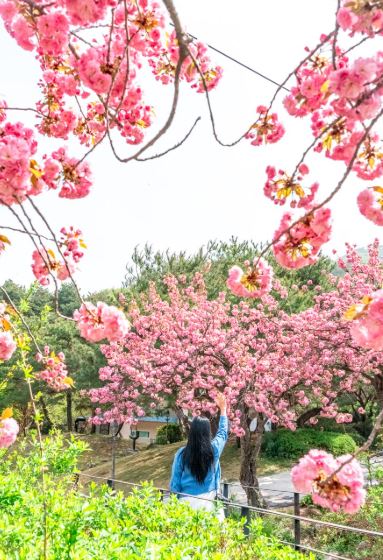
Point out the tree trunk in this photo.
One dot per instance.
(93, 426)
(305, 417)
(183, 419)
(47, 421)
(25, 418)
(250, 448)
(378, 385)
(69, 411)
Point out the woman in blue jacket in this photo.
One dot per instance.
(196, 470)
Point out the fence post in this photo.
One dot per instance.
(226, 496)
(245, 512)
(110, 483)
(297, 522)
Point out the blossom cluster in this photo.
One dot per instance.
(7, 345)
(367, 321)
(7, 342)
(255, 283)
(55, 372)
(101, 321)
(46, 264)
(267, 129)
(361, 16)
(334, 483)
(370, 202)
(280, 186)
(9, 428)
(103, 68)
(21, 175)
(296, 246)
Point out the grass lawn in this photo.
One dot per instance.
(154, 464)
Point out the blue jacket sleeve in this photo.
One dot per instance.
(175, 481)
(220, 439)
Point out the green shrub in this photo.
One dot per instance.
(108, 526)
(292, 445)
(169, 434)
(358, 431)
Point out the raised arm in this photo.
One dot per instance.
(220, 439)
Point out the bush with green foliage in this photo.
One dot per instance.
(106, 525)
(171, 433)
(292, 445)
(354, 429)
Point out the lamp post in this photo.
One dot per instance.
(114, 427)
(167, 426)
(134, 435)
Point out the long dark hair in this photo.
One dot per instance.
(198, 454)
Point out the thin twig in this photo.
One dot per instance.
(336, 31)
(20, 316)
(38, 249)
(25, 232)
(173, 147)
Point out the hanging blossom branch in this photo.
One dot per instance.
(280, 87)
(20, 316)
(40, 251)
(58, 245)
(182, 55)
(324, 202)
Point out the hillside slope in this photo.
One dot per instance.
(155, 464)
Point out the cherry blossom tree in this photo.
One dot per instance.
(92, 56)
(185, 347)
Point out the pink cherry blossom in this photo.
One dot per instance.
(18, 171)
(101, 322)
(280, 186)
(367, 321)
(23, 32)
(298, 246)
(87, 11)
(267, 129)
(45, 263)
(9, 429)
(360, 17)
(55, 372)
(255, 283)
(344, 490)
(76, 181)
(7, 345)
(370, 202)
(53, 29)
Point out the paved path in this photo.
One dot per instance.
(277, 489)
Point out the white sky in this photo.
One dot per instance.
(200, 191)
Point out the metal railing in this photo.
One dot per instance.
(246, 510)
